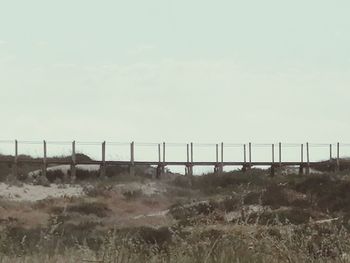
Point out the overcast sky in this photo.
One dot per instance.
(184, 70)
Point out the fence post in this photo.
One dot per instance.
(103, 167)
(74, 161)
(301, 167)
(191, 165)
(222, 158)
(216, 159)
(273, 161)
(159, 154)
(244, 168)
(245, 153)
(15, 164)
(250, 155)
(187, 172)
(302, 153)
(338, 157)
(163, 166)
(280, 155)
(44, 159)
(132, 159)
(159, 166)
(307, 159)
(330, 152)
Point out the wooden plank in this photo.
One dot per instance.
(127, 163)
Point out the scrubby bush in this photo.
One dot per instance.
(90, 208)
(274, 196)
(132, 194)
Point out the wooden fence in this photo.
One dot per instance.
(304, 162)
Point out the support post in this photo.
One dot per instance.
(250, 155)
(307, 159)
(132, 159)
(159, 167)
(245, 153)
(273, 161)
(159, 153)
(280, 154)
(222, 158)
(191, 160)
(330, 152)
(74, 161)
(103, 166)
(163, 166)
(302, 153)
(244, 168)
(301, 167)
(187, 171)
(338, 157)
(216, 159)
(191, 152)
(15, 163)
(44, 173)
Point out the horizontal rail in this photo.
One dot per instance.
(48, 162)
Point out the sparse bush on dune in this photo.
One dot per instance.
(132, 194)
(327, 193)
(309, 243)
(90, 208)
(274, 196)
(215, 184)
(280, 219)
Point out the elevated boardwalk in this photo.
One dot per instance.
(161, 163)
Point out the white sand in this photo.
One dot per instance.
(33, 193)
(147, 189)
(65, 167)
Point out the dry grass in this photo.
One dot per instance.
(230, 218)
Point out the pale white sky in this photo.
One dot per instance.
(184, 70)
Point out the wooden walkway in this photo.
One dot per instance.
(218, 165)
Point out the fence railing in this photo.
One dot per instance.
(245, 154)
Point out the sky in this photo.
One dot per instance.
(175, 71)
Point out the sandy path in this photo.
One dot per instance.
(33, 193)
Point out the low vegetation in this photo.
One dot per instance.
(232, 217)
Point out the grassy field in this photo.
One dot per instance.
(233, 217)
